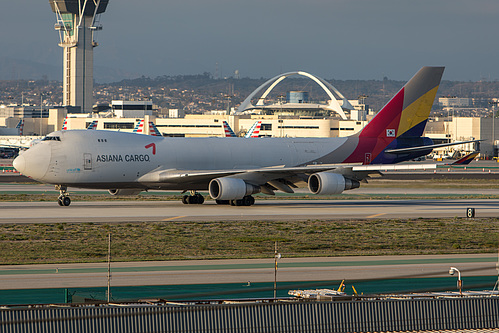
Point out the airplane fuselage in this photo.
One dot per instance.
(107, 159)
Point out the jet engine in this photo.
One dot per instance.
(231, 188)
(124, 191)
(330, 183)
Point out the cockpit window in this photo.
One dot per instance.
(51, 138)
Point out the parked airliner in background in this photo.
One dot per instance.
(253, 132)
(229, 133)
(93, 125)
(153, 130)
(232, 169)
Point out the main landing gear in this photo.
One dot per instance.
(193, 199)
(63, 199)
(246, 201)
(197, 199)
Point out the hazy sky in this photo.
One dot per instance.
(334, 39)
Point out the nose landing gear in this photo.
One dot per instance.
(64, 199)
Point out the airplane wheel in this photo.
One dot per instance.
(192, 200)
(238, 202)
(248, 200)
(66, 201)
(184, 199)
(199, 199)
(59, 201)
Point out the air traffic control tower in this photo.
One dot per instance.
(77, 23)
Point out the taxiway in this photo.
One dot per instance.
(244, 270)
(270, 210)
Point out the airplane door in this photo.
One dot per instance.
(87, 161)
(367, 158)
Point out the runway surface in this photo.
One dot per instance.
(244, 270)
(275, 210)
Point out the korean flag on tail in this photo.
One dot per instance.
(390, 132)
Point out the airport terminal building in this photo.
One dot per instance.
(277, 125)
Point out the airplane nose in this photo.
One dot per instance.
(34, 162)
(19, 163)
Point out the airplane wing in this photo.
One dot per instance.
(427, 147)
(25, 146)
(277, 177)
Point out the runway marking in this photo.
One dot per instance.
(174, 218)
(375, 215)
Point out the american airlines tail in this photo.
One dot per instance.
(65, 124)
(153, 130)
(139, 128)
(20, 127)
(93, 125)
(229, 133)
(254, 131)
(400, 123)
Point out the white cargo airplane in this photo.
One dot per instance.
(232, 169)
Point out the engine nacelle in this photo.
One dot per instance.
(124, 191)
(330, 183)
(231, 188)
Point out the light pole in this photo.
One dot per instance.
(41, 112)
(109, 269)
(493, 105)
(452, 270)
(276, 257)
(493, 132)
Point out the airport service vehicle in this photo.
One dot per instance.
(232, 169)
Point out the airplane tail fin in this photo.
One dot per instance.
(466, 159)
(139, 128)
(406, 114)
(228, 131)
(93, 125)
(65, 124)
(254, 131)
(153, 130)
(401, 122)
(20, 127)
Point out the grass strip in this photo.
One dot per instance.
(87, 242)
